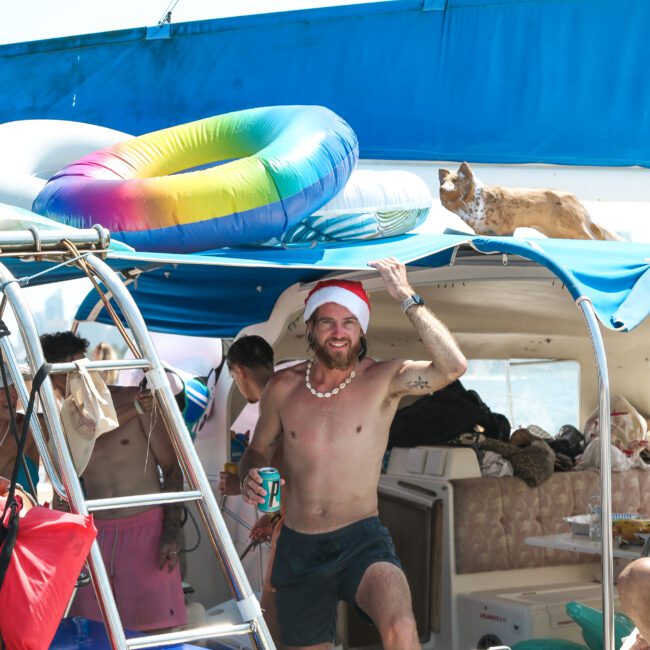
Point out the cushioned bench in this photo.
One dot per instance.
(493, 516)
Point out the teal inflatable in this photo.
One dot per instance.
(591, 622)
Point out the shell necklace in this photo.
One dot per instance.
(331, 393)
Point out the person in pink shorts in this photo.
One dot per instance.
(148, 597)
(140, 545)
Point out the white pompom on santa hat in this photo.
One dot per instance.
(347, 293)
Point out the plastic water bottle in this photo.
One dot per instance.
(595, 523)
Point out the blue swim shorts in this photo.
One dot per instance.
(311, 573)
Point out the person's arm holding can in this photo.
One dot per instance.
(258, 454)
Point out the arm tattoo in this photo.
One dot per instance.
(418, 383)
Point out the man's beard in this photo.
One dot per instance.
(337, 362)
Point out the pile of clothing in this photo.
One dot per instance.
(531, 454)
(458, 416)
(442, 417)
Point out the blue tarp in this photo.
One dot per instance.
(511, 81)
(221, 293)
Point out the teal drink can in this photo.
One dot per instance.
(271, 483)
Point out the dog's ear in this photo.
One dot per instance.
(442, 175)
(465, 170)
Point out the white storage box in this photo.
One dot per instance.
(506, 616)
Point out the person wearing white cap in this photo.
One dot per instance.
(333, 415)
(8, 448)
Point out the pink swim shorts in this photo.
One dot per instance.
(147, 597)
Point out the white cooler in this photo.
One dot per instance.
(506, 616)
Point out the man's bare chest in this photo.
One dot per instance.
(352, 418)
(124, 446)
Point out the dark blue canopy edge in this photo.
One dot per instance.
(220, 293)
(499, 81)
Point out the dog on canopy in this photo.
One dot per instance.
(495, 210)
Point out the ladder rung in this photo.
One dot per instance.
(36, 240)
(115, 364)
(135, 500)
(194, 634)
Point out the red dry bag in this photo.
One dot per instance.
(41, 555)
(50, 550)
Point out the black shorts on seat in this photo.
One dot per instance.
(311, 573)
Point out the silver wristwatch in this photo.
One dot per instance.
(415, 299)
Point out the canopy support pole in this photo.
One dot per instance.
(607, 560)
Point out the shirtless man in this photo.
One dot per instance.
(333, 414)
(140, 545)
(250, 362)
(633, 585)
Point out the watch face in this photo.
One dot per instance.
(418, 300)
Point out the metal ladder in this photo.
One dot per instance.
(93, 243)
(252, 546)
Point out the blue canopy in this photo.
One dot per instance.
(221, 293)
(505, 81)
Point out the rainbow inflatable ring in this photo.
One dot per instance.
(282, 164)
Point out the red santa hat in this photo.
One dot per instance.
(347, 293)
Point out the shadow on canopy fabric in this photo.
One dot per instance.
(221, 293)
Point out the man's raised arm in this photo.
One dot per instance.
(447, 361)
(265, 439)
